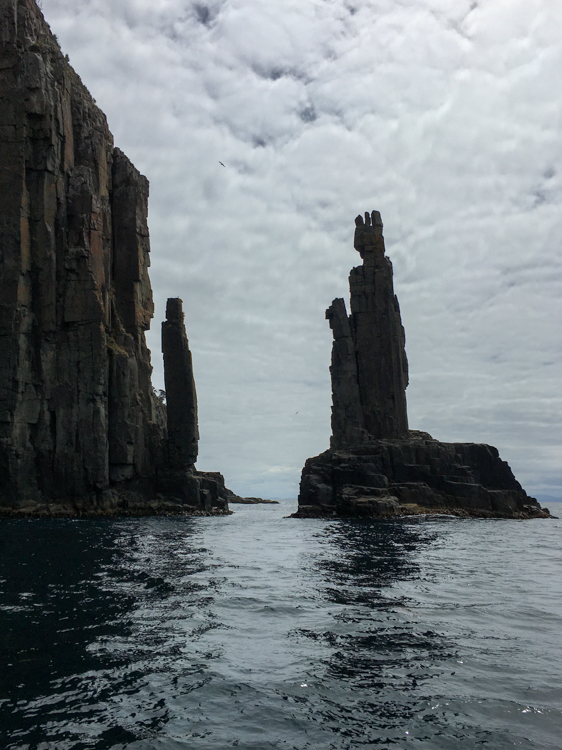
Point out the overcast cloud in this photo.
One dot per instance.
(444, 115)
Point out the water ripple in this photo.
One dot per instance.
(255, 631)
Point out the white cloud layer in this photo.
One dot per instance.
(445, 115)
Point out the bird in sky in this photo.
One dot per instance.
(220, 162)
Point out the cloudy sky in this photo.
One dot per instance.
(444, 115)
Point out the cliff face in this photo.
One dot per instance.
(77, 411)
(376, 466)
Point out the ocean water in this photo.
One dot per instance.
(256, 631)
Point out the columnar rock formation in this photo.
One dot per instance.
(177, 476)
(369, 366)
(78, 417)
(181, 397)
(376, 466)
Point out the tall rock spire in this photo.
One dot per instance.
(181, 397)
(376, 467)
(369, 366)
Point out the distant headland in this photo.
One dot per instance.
(376, 467)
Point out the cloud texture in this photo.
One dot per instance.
(445, 115)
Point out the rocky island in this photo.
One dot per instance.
(377, 467)
(82, 430)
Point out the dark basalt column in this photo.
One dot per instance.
(77, 413)
(347, 413)
(376, 467)
(369, 366)
(382, 367)
(81, 428)
(178, 477)
(181, 396)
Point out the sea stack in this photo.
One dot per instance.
(369, 366)
(181, 396)
(376, 466)
(81, 430)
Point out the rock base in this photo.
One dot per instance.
(114, 503)
(154, 508)
(411, 476)
(176, 493)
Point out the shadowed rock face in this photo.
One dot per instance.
(348, 423)
(78, 417)
(376, 467)
(181, 398)
(369, 366)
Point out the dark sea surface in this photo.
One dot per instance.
(255, 631)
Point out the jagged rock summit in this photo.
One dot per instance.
(377, 467)
(81, 429)
(369, 366)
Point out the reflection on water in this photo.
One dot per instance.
(364, 577)
(362, 559)
(87, 608)
(378, 649)
(254, 631)
(52, 607)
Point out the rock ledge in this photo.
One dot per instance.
(413, 476)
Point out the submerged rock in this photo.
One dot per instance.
(80, 424)
(376, 467)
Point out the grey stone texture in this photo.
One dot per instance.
(78, 416)
(369, 365)
(376, 467)
(177, 474)
(411, 475)
(181, 397)
(348, 424)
